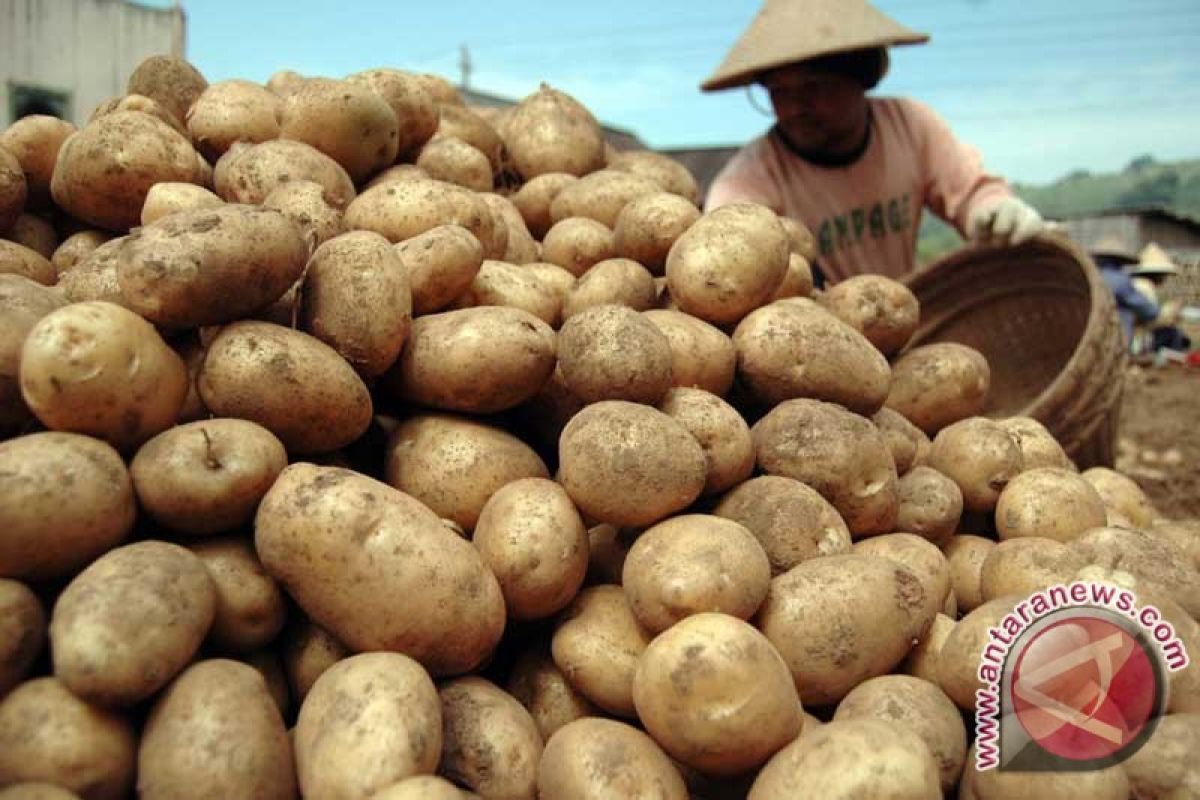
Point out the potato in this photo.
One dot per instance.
(36, 791)
(931, 505)
(170, 81)
(883, 310)
(326, 405)
(606, 760)
(791, 521)
(979, 456)
(854, 758)
(35, 141)
(522, 248)
(611, 352)
(919, 706)
(285, 81)
(100, 369)
(668, 173)
(356, 299)
(936, 385)
(1166, 765)
(126, 625)
(208, 476)
(922, 661)
(1048, 502)
(721, 432)
(904, 439)
(215, 732)
(67, 499)
(545, 692)
(415, 108)
(22, 303)
(400, 210)
(597, 645)
(1024, 565)
(452, 160)
(577, 244)
(839, 620)
(1184, 535)
(386, 693)
(629, 464)
(453, 464)
(649, 225)
(441, 265)
(551, 132)
(22, 632)
(1110, 783)
(559, 280)
(47, 734)
(797, 281)
(959, 659)
(308, 650)
(17, 259)
(489, 741)
(1038, 446)
(500, 284)
(728, 263)
(716, 695)
(104, 171)
(79, 246)
(967, 555)
(532, 538)
(348, 122)
(601, 196)
(95, 276)
(35, 233)
(210, 266)
(692, 564)
(170, 198)
(269, 666)
(304, 203)
(840, 454)
(250, 610)
(456, 121)
(534, 197)
(13, 189)
(613, 281)
(475, 360)
(247, 173)
(794, 348)
(379, 547)
(1123, 495)
(143, 105)
(422, 787)
(701, 355)
(924, 559)
(1154, 561)
(233, 111)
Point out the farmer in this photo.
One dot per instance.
(1132, 278)
(856, 170)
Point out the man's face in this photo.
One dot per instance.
(817, 110)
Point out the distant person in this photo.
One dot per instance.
(1147, 325)
(856, 170)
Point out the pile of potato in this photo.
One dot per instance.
(361, 444)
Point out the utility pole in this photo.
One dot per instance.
(464, 66)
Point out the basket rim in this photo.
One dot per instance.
(1044, 244)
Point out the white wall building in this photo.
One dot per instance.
(65, 57)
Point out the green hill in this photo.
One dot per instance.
(1145, 182)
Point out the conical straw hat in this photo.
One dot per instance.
(1114, 246)
(1154, 261)
(786, 31)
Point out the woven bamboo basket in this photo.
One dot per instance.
(1047, 324)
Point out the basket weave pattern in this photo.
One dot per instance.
(1047, 324)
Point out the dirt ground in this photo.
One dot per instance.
(1159, 443)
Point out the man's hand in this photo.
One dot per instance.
(1008, 222)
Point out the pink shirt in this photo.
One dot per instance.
(866, 215)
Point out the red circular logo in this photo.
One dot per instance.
(1084, 688)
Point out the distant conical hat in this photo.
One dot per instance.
(1154, 261)
(1114, 246)
(786, 31)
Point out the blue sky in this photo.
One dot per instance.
(1040, 88)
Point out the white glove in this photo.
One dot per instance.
(1009, 222)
